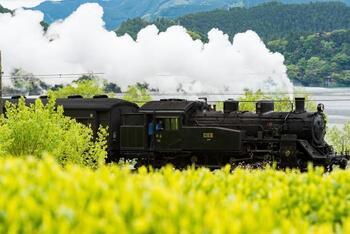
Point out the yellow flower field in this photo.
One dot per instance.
(42, 197)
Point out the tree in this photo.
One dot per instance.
(340, 138)
(40, 129)
(195, 35)
(315, 70)
(86, 86)
(293, 72)
(137, 94)
(109, 87)
(342, 60)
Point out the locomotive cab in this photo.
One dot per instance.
(149, 132)
(167, 134)
(168, 130)
(159, 123)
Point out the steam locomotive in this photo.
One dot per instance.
(182, 132)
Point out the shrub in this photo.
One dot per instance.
(39, 129)
(41, 197)
(340, 138)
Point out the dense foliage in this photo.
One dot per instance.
(86, 86)
(133, 26)
(270, 21)
(317, 59)
(42, 197)
(340, 138)
(43, 129)
(273, 20)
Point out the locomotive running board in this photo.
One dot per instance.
(310, 150)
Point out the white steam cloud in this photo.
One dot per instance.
(168, 60)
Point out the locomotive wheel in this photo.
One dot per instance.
(344, 163)
(302, 165)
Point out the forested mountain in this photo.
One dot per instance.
(317, 59)
(117, 11)
(133, 26)
(270, 21)
(273, 20)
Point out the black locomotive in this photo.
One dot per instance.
(184, 132)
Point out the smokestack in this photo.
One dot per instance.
(230, 105)
(264, 106)
(299, 105)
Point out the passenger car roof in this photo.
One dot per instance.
(85, 103)
(169, 105)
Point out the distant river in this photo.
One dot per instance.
(336, 101)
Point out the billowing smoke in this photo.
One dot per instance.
(169, 60)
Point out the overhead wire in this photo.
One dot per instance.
(286, 101)
(55, 75)
(323, 93)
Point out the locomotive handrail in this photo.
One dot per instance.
(247, 125)
(291, 111)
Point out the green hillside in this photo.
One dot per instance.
(133, 26)
(273, 20)
(270, 21)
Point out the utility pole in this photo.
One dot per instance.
(1, 101)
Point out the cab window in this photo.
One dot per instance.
(170, 124)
